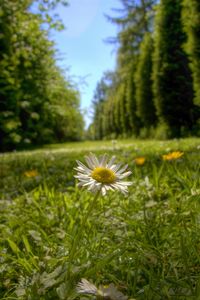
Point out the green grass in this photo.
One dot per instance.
(147, 244)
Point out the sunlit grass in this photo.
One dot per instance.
(146, 244)
(144, 146)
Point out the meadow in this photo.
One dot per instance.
(143, 246)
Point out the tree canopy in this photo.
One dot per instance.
(156, 91)
(38, 105)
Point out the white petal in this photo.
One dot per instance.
(125, 191)
(103, 190)
(109, 187)
(110, 163)
(118, 186)
(94, 159)
(103, 160)
(125, 183)
(114, 168)
(80, 169)
(85, 287)
(89, 162)
(122, 169)
(82, 175)
(83, 166)
(93, 188)
(124, 175)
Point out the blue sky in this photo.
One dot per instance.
(82, 47)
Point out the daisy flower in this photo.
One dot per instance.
(109, 292)
(86, 287)
(102, 174)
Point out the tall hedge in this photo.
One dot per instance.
(173, 92)
(143, 83)
(191, 21)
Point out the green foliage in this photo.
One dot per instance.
(146, 244)
(136, 20)
(120, 117)
(143, 83)
(38, 105)
(118, 128)
(191, 17)
(103, 105)
(109, 124)
(98, 105)
(156, 86)
(171, 75)
(121, 94)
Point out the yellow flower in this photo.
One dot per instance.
(140, 160)
(31, 173)
(173, 155)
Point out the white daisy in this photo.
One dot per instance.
(101, 174)
(109, 292)
(86, 287)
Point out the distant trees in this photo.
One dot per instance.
(134, 22)
(156, 78)
(38, 105)
(143, 82)
(98, 106)
(191, 22)
(173, 93)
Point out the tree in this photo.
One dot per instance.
(63, 115)
(100, 96)
(30, 82)
(135, 20)
(173, 93)
(191, 22)
(143, 83)
(131, 106)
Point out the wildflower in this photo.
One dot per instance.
(173, 155)
(102, 175)
(85, 287)
(140, 160)
(105, 292)
(31, 173)
(111, 292)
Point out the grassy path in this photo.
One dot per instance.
(146, 244)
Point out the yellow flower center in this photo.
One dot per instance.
(103, 175)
